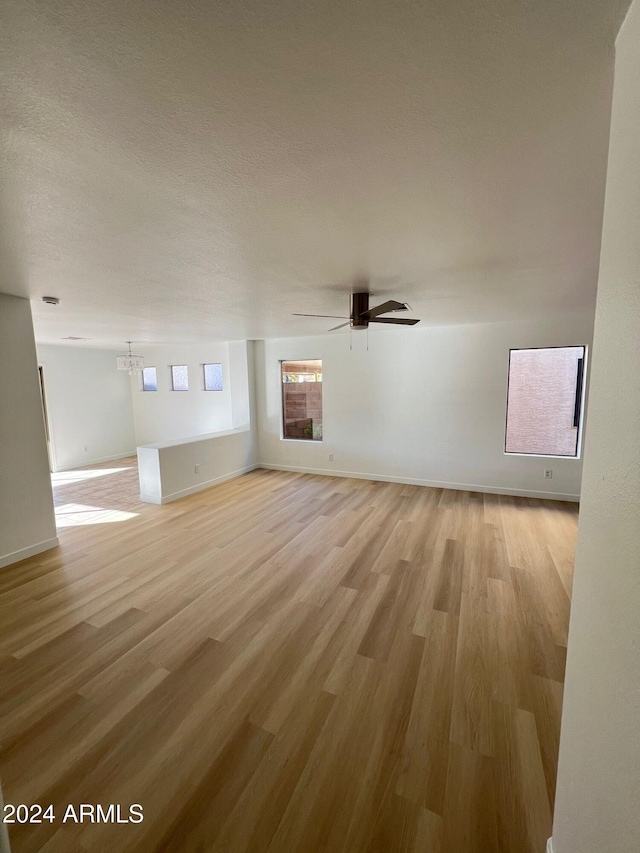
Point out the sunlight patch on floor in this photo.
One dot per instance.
(75, 515)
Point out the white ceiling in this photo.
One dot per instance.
(179, 171)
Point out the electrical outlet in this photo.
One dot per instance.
(548, 473)
(197, 468)
(331, 457)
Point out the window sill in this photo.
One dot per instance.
(539, 455)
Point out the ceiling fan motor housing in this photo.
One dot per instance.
(359, 304)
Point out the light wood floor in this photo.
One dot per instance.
(289, 663)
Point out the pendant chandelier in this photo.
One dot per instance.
(131, 363)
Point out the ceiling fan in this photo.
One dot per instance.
(361, 315)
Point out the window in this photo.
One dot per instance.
(149, 379)
(212, 377)
(302, 399)
(544, 401)
(179, 377)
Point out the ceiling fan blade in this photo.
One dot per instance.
(331, 316)
(341, 326)
(399, 321)
(390, 305)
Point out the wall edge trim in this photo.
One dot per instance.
(29, 551)
(98, 461)
(434, 484)
(174, 496)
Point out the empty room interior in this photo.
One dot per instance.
(320, 426)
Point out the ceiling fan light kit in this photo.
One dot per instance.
(359, 307)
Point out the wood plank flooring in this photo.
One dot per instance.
(288, 663)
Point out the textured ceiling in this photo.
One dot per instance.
(179, 171)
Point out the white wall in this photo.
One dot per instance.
(173, 469)
(598, 793)
(165, 415)
(89, 405)
(27, 522)
(241, 379)
(424, 404)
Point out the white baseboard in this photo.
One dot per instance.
(174, 496)
(31, 551)
(97, 461)
(434, 484)
(549, 845)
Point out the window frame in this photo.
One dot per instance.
(583, 400)
(283, 437)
